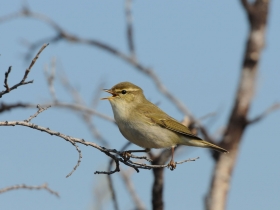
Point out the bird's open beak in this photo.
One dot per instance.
(111, 92)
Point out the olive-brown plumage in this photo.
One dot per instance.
(146, 125)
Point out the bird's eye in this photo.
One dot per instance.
(123, 91)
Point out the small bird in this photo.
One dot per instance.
(144, 124)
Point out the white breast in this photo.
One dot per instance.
(141, 133)
(146, 135)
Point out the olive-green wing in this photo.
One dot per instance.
(162, 119)
(175, 126)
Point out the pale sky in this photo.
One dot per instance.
(196, 49)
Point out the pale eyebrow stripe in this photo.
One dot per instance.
(129, 89)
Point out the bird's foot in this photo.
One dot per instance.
(171, 165)
(126, 155)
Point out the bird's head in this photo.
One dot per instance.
(125, 94)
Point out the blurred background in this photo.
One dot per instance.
(196, 49)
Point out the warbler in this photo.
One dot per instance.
(144, 124)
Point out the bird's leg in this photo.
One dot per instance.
(172, 164)
(127, 154)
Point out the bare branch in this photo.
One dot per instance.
(129, 27)
(33, 62)
(257, 13)
(110, 181)
(22, 82)
(117, 169)
(141, 157)
(136, 166)
(130, 187)
(79, 100)
(6, 79)
(75, 107)
(97, 94)
(79, 160)
(145, 166)
(81, 108)
(62, 34)
(40, 110)
(50, 76)
(246, 5)
(268, 111)
(23, 186)
(7, 107)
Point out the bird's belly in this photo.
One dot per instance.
(148, 136)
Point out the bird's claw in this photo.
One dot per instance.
(171, 165)
(126, 155)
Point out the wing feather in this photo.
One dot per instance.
(162, 119)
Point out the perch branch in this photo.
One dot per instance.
(112, 153)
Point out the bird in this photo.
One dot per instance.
(146, 125)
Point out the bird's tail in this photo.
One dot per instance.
(206, 144)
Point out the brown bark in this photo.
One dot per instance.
(157, 192)
(220, 184)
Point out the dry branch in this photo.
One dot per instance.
(257, 15)
(75, 107)
(131, 189)
(129, 28)
(22, 82)
(23, 186)
(117, 156)
(258, 118)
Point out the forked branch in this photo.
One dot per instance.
(22, 82)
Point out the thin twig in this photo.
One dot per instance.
(269, 110)
(50, 76)
(110, 181)
(6, 79)
(97, 93)
(40, 110)
(79, 160)
(75, 107)
(23, 186)
(141, 157)
(33, 62)
(22, 82)
(117, 169)
(129, 28)
(139, 205)
(145, 166)
(79, 100)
